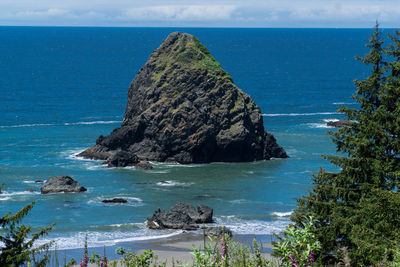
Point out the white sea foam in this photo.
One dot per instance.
(133, 198)
(73, 154)
(172, 183)
(59, 124)
(28, 182)
(253, 227)
(238, 201)
(90, 122)
(282, 214)
(344, 103)
(20, 193)
(319, 125)
(27, 125)
(4, 198)
(298, 114)
(172, 165)
(100, 239)
(323, 125)
(157, 171)
(329, 120)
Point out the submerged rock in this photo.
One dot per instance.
(62, 184)
(144, 165)
(181, 216)
(183, 107)
(339, 123)
(115, 200)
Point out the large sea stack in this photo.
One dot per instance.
(183, 107)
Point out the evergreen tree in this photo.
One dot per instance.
(17, 248)
(348, 204)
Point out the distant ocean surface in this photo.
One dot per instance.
(61, 87)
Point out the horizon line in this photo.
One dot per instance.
(194, 27)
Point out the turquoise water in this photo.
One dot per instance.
(63, 87)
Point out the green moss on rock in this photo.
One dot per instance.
(182, 106)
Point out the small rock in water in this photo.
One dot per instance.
(39, 181)
(115, 200)
(62, 184)
(30, 190)
(144, 165)
(339, 123)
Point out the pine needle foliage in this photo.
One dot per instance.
(17, 242)
(357, 208)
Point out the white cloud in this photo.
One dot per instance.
(42, 13)
(343, 11)
(181, 13)
(202, 13)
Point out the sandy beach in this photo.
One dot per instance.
(176, 248)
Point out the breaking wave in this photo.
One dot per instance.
(59, 124)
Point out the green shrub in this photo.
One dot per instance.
(221, 252)
(298, 245)
(17, 248)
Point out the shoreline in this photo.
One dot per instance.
(177, 246)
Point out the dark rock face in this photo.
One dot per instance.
(115, 200)
(186, 209)
(122, 159)
(205, 214)
(339, 123)
(181, 216)
(63, 183)
(183, 107)
(170, 220)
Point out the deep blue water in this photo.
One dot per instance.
(60, 88)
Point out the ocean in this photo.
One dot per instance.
(62, 87)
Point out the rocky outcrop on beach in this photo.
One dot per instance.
(62, 184)
(183, 107)
(115, 200)
(181, 216)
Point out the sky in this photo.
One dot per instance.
(204, 13)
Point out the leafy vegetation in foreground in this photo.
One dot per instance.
(217, 252)
(298, 245)
(17, 248)
(357, 209)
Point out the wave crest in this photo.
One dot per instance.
(59, 124)
(298, 114)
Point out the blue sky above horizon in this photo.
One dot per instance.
(205, 13)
